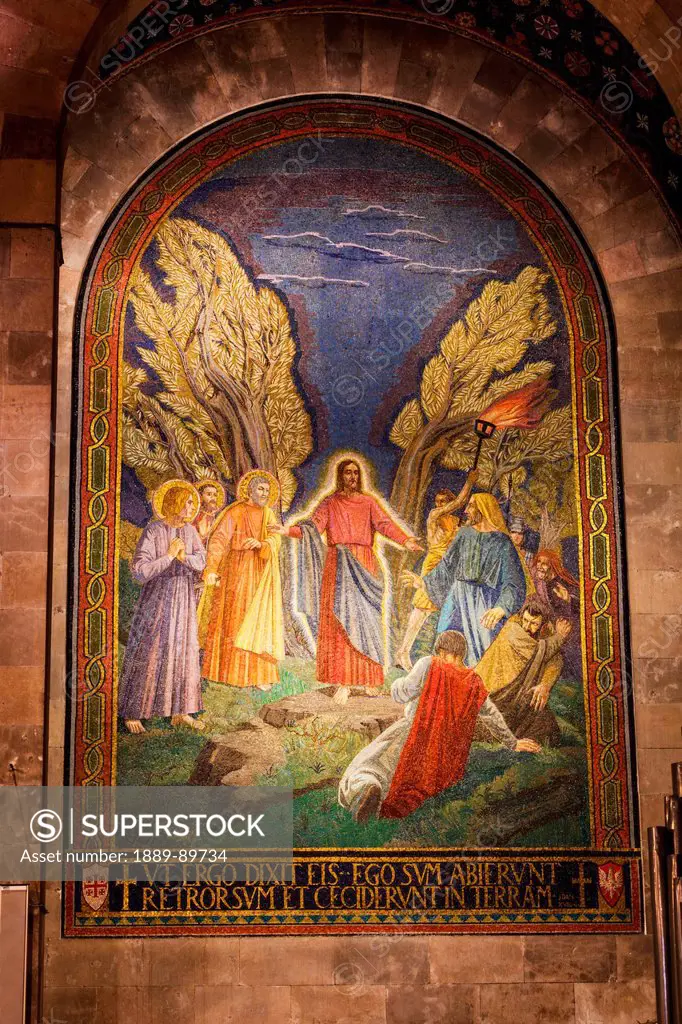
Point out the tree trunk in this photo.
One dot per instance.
(417, 467)
(245, 436)
(408, 497)
(413, 477)
(253, 445)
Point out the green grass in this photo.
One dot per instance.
(160, 757)
(165, 756)
(317, 750)
(452, 818)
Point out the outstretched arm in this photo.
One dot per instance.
(462, 498)
(438, 582)
(320, 517)
(383, 523)
(408, 687)
(495, 723)
(555, 641)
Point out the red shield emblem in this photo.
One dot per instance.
(95, 891)
(611, 881)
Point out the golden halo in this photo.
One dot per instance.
(243, 485)
(163, 489)
(210, 482)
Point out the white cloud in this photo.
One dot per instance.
(407, 233)
(377, 210)
(312, 282)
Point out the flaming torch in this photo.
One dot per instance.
(523, 409)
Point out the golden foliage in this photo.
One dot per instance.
(454, 343)
(478, 351)
(223, 353)
(435, 386)
(483, 357)
(548, 502)
(409, 422)
(551, 441)
(288, 487)
(128, 536)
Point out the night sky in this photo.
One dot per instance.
(368, 244)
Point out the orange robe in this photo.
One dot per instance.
(240, 571)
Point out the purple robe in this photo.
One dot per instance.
(161, 672)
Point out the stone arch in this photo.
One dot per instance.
(307, 124)
(151, 108)
(154, 106)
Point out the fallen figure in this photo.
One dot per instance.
(427, 750)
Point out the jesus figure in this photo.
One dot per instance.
(341, 589)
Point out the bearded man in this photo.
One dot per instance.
(560, 590)
(340, 586)
(522, 665)
(245, 634)
(212, 498)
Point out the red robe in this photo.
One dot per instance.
(437, 748)
(354, 521)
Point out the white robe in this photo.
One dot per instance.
(376, 763)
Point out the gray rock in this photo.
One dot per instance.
(244, 755)
(363, 714)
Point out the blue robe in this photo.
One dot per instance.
(478, 571)
(358, 593)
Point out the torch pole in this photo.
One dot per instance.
(484, 429)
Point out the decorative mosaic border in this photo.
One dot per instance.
(613, 818)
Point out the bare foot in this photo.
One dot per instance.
(135, 726)
(264, 687)
(369, 805)
(193, 723)
(341, 696)
(372, 691)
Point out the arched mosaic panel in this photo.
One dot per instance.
(346, 519)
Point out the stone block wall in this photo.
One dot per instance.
(577, 980)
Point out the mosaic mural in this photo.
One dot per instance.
(346, 520)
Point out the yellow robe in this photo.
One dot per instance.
(444, 534)
(508, 655)
(242, 616)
